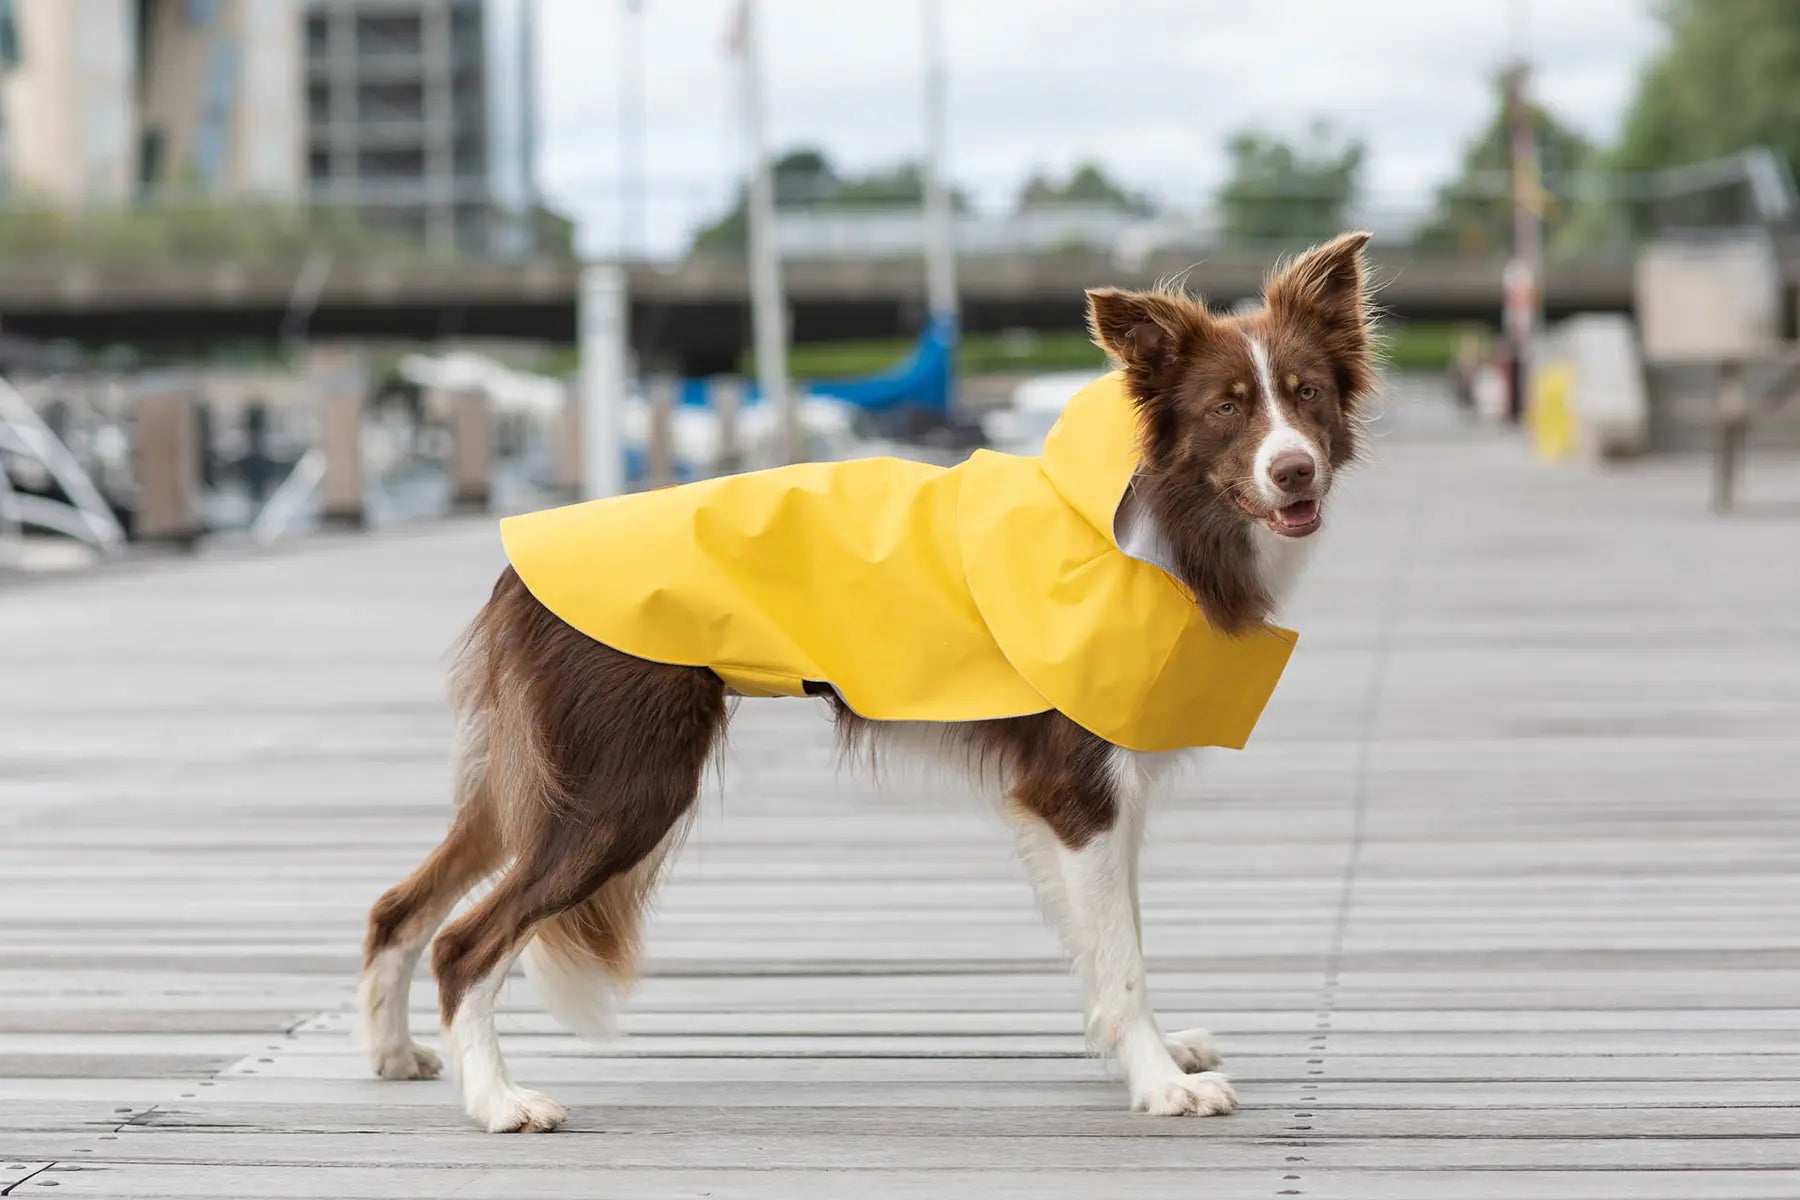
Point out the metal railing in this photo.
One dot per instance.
(82, 513)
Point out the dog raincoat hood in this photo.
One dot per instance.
(995, 588)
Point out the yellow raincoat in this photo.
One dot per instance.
(995, 588)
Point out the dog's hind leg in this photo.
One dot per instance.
(566, 885)
(595, 763)
(402, 922)
(401, 925)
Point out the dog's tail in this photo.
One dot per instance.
(583, 962)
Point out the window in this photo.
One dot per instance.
(9, 35)
(318, 104)
(396, 35)
(150, 161)
(318, 35)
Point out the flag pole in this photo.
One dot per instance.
(1522, 284)
(631, 131)
(940, 245)
(768, 309)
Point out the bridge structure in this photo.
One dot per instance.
(693, 318)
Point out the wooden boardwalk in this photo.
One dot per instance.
(1503, 901)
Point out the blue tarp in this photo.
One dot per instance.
(921, 380)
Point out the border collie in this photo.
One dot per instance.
(577, 765)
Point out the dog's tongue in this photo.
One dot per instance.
(1301, 512)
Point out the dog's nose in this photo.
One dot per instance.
(1292, 470)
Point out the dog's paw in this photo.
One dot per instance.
(1193, 1050)
(408, 1061)
(1205, 1095)
(518, 1110)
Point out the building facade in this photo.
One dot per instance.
(106, 102)
(418, 115)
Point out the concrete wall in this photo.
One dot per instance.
(222, 97)
(226, 98)
(71, 132)
(269, 132)
(1704, 300)
(1682, 400)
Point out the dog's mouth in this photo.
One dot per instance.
(1295, 519)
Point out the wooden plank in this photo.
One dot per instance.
(878, 1119)
(902, 1064)
(1233, 1143)
(13, 1172)
(372, 1182)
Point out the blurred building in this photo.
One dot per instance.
(416, 114)
(420, 113)
(109, 101)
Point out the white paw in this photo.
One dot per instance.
(1193, 1050)
(1206, 1095)
(517, 1110)
(408, 1061)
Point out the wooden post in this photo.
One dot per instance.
(168, 469)
(566, 463)
(659, 457)
(471, 450)
(1731, 422)
(340, 436)
(726, 392)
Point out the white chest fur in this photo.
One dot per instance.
(1279, 560)
(1279, 563)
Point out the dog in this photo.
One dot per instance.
(578, 764)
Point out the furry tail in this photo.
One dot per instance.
(581, 992)
(583, 962)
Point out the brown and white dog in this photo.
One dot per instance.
(577, 766)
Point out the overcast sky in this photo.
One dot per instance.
(1150, 88)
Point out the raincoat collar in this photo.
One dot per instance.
(1092, 452)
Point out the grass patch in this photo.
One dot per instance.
(1424, 346)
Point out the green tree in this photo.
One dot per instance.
(1729, 80)
(1287, 191)
(803, 176)
(1474, 213)
(1087, 184)
(800, 176)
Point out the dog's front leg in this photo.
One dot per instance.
(1078, 834)
(1101, 881)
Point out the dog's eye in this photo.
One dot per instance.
(1308, 392)
(1226, 409)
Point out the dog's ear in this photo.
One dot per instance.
(1145, 332)
(1325, 293)
(1326, 281)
